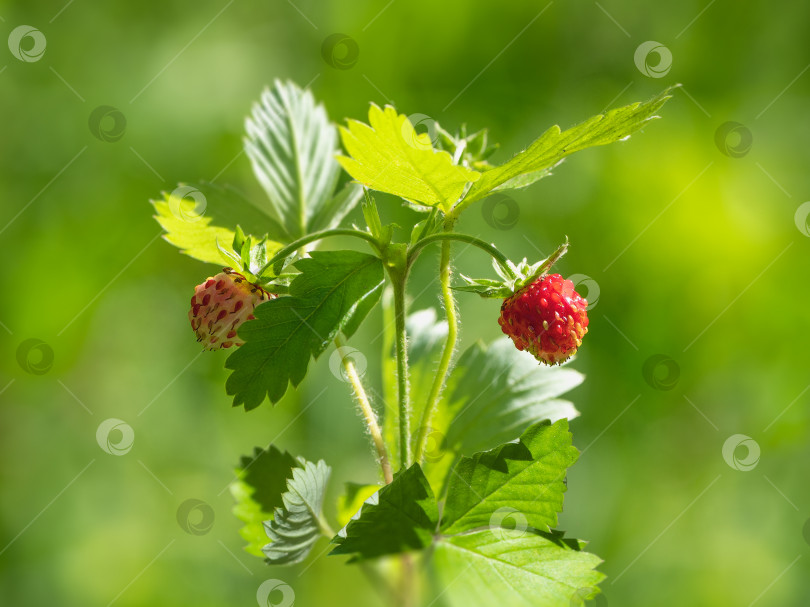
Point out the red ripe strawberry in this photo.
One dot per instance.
(220, 305)
(547, 318)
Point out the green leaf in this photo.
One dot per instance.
(191, 231)
(400, 517)
(426, 338)
(333, 293)
(470, 150)
(390, 156)
(336, 208)
(296, 525)
(352, 500)
(527, 478)
(261, 481)
(554, 145)
(291, 145)
(496, 391)
(192, 216)
(519, 568)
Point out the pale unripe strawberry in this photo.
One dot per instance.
(220, 305)
(547, 318)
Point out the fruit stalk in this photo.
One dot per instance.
(368, 413)
(447, 353)
(403, 396)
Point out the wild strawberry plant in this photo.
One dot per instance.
(473, 463)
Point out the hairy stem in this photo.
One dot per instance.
(368, 413)
(447, 354)
(402, 372)
(301, 242)
(476, 242)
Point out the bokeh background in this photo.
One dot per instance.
(692, 233)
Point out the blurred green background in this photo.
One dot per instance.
(692, 242)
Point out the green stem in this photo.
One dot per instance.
(291, 248)
(368, 413)
(445, 236)
(447, 354)
(402, 370)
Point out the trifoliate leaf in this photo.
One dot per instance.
(352, 500)
(469, 150)
(517, 567)
(554, 145)
(390, 156)
(333, 292)
(527, 477)
(291, 145)
(400, 517)
(497, 391)
(261, 481)
(296, 525)
(193, 217)
(191, 231)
